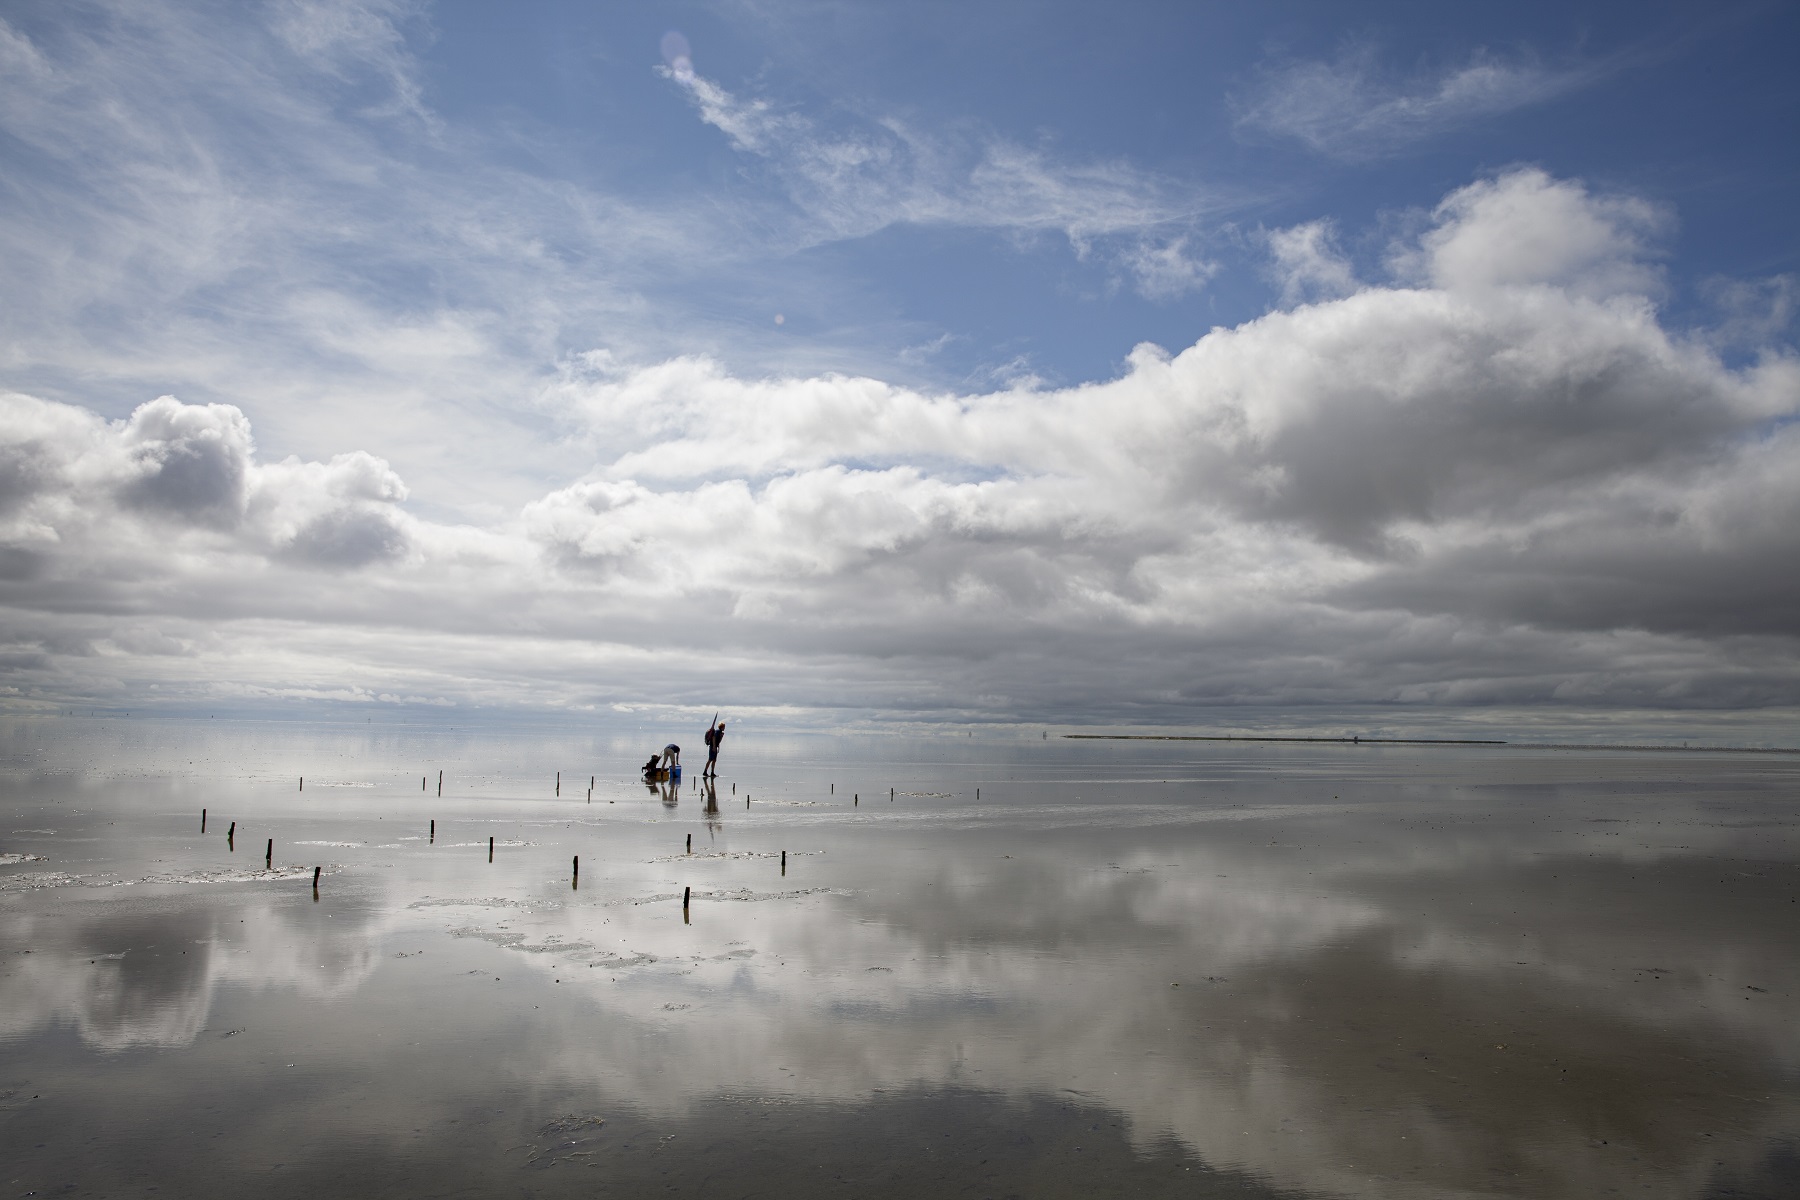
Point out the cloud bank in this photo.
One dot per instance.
(1495, 478)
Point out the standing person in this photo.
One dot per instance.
(714, 736)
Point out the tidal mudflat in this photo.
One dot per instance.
(1120, 969)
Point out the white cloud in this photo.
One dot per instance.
(853, 182)
(1351, 108)
(1754, 312)
(1505, 483)
(181, 481)
(253, 205)
(1523, 227)
(1167, 270)
(1308, 263)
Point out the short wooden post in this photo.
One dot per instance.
(422, 779)
(490, 849)
(559, 783)
(686, 892)
(203, 820)
(269, 855)
(434, 829)
(303, 783)
(690, 848)
(784, 862)
(316, 871)
(440, 783)
(575, 868)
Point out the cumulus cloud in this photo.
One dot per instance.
(1497, 478)
(173, 475)
(1308, 263)
(1526, 228)
(1350, 107)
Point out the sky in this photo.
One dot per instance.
(1166, 365)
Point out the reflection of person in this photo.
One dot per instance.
(710, 795)
(714, 736)
(671, 755)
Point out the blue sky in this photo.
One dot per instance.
(936, 362)
(1687, 104)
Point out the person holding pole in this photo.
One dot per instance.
(714, 736)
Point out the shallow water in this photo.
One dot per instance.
(1126, 969)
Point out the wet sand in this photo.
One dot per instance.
(1126, 969)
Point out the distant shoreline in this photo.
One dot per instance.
(1370, 741)
(1348, 741)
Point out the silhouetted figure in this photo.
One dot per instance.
(714, 737)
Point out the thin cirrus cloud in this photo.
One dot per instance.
(1352, 107)
(264, 212)
(1467, 485)
(852, 182)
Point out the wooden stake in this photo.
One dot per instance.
(576, 869)
(784, 862)
(690, 848)
(490, 849)
(434, 829)
(316, 871)
(856, 799)
(685, 893)
(559, 783)
(269, 856)
(422, 783)
(203, 820)
(303, 783)
(440, 783)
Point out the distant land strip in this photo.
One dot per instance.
(1213, 737)
(1656, 749)
(1370, 741)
